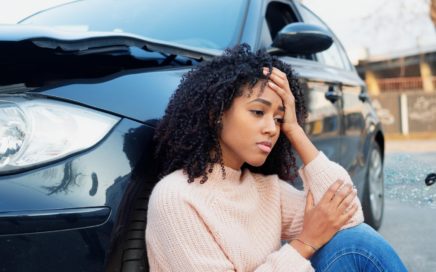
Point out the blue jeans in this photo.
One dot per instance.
(360, 248)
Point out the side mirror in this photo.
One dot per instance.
(302, 38)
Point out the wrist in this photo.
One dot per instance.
(294, 132)
(306, 239)
(304, 250)
(301, 143)
(311, 245)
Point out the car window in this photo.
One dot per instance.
(334, 56)
(217, 26)
(277, 16)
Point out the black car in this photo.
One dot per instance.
(82, 87)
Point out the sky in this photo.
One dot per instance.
(12, 11)
(378, 28)
(366, 28)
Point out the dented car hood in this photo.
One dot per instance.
(28, 52)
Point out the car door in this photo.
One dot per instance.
(324, 116)
(349, 89)
(354, 129)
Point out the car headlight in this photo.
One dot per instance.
(36, 131)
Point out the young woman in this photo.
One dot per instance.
(225, 147)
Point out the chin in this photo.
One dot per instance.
(256, 163)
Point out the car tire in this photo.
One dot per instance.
(373, 191)
(129, 251)
(134, 255)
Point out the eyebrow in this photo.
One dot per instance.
(266, 102)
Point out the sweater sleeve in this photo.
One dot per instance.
(293, 203)
(177, 239)
(317, 177)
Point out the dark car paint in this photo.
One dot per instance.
(56, 191)
(46, 220)
(59, 189)
(110, 93)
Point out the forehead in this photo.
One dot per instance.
(261, 90)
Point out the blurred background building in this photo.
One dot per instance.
(402, 87)
(393, 46)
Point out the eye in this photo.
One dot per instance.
(257, 112)
(279, 120)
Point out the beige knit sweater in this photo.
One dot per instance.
(236, 224)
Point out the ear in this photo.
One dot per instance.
(213, 119)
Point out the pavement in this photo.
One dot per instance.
(411, 231)
(409, 222)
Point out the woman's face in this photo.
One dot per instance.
(251, 127)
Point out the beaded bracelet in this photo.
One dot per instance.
(307, 244)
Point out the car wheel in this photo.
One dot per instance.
(134, 258)
(130, 253)
(373, 194)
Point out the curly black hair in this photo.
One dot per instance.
(187, 137)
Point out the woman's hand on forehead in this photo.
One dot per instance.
(278, 82)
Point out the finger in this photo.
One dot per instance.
(286, 96)
(346, 217)
(282, 82)
(345, 204)
(328, 196)
(309, 201)
(279, 73)
(279, 90)
(278, 77)
(267, 72)
(341, 194)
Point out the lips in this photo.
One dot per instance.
(264, 146)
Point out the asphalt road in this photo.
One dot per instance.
(409, 222)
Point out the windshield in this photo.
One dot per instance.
(199, 23)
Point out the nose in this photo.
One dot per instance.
(270, 126)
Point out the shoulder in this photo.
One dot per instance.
(174, 190)
(169, 191)
(175, 179)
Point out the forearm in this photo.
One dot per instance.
(304, 147)
(320, 174)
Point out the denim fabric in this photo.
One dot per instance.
(360, 248)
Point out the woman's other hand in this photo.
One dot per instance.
(324, 220)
